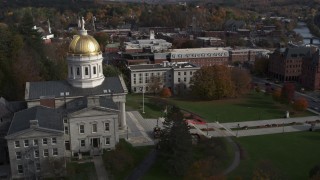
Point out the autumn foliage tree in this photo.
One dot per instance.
(165, 92)
(276, 95)
(241, 80)
(212, 82)
(287, 92)
(300, 104)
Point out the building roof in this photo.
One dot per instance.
(297, 52)
(84, 102)
(48, 118)
(164, 65)
(35, 90)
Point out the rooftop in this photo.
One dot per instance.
(35, 90)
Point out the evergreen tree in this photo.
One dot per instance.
(175, 143)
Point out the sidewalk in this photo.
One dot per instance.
(224, 129)
(100, 169)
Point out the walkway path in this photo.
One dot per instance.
(100, 169)
(144, 166)
(236, 160)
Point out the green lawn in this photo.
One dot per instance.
(81, 171)
(254, 106)
(152, 109)
(294, 154)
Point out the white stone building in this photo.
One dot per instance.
(88, 111)
(176, 76)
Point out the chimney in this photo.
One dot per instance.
(34, 123)
(48, 101)
(152, 35)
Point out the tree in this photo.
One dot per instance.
(266, 170)
(155, 83)
(212, 82)
(300, 104)
(165, 92)
(110, 71)
(241, 80)
(54, 167)
(175, 143)
(260, 66)
(276, 95)
(314, 173)
(287, 92)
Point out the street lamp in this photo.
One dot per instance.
(142, 89)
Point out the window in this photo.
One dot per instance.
(35, 142)
(78, 71)
(45, 153)
(18, 155)
(134, 75)
(94, 70)
(107, 141)
(179, 73)
(185, 73)
(54, 140)
(190, 72)
(20, 169)
(178, 79)
(65, 120)
(71, 70)
(86, 71)
(44, 141)
(17, 144)
(36, 153)
(55, 152)
(185, 79)
(37, 166)
(94, 128)
(107, 126)
(81, 129)
(82, 143)
(26, 143)
(66, 130)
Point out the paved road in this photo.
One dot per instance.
(100, 169)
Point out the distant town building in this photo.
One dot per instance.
(152, 44)
(175, 75)
(246, 55)
(286, 63)
(310, 76)
(200, 56)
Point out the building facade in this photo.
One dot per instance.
(310, 76)
(82, 114)
(34, 138)
(286, 64)
(153, 77)
(200, 56)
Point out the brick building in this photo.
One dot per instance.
(310, 77)
(245, 55)
(200, 56)
(286, 63)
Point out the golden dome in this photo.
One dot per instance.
(84, 45)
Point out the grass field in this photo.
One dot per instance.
(254, 106)
(81, 171)
(294, 154)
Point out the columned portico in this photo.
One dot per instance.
(123, 123)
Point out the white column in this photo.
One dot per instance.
(123, 115)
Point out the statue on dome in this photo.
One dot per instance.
(82, 23)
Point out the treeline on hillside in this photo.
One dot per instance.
(23, 57)
(112, 15)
